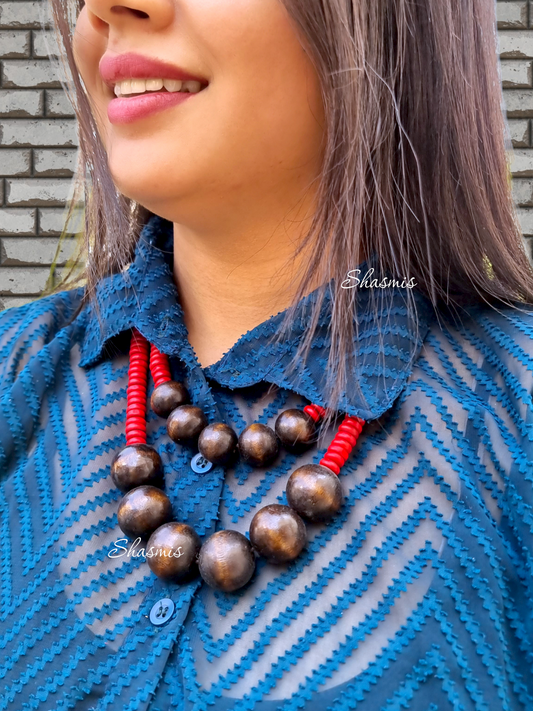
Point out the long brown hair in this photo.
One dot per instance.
(415, 166)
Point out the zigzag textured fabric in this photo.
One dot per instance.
(418, 595)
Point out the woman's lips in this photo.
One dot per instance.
(123, 110)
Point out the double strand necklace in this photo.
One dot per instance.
(226, 559)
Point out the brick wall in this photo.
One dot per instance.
(38, 139)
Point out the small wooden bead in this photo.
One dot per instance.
(296, 430)
(315, 492)
(172, 551)
(258, 445)
(217, 442)
(185, 423)
(167, 396)
(136, 465)
(226, 561)
(143, 510)
(278, 533)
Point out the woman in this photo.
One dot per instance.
(303, 204)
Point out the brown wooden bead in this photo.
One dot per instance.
(136, 465)
(296, 430)
(172, 551)
(185, 423)
(143, 510)
(226, 561)
(167, 396)
(217, 442)
(278, 533)
(258, 445)
(315, 492)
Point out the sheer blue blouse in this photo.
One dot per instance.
(418, 595)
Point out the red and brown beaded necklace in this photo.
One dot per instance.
(225, 560)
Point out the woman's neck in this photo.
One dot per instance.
(230, 283)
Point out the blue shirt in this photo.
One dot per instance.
(417, 595)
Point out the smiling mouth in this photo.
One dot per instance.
(128, 88)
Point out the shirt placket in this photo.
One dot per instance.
(166, 606)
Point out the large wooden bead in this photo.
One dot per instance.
(217, 442)
(136, 465)
(167, 396)
(278, 533)
(315, 492)
(143, 510)
(172, 551)
(258, 445)
(296, 430)
(226, 561)
(185, 423)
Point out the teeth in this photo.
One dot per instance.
(192, 86)
(154, 84)
(140, 86)
(172, 84)
(125, 87)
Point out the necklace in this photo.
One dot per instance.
(226, 560)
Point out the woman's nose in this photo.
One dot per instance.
(106, 14)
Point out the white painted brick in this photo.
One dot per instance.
(60, 163)
(519, 129)
(14, 44)
(23, 280)
(518, 103)
(521, 163)
(52, 221)
(25, 132)
(8, 302)
(57, 104)
(516, 44)
(24, 14)
(34, 73)
(33, 251)
(516, 74)
(14, 162)
(523, 192)
(1, 191)
(37, 191)
(529, 248)
(525, 218)
(45, 44)
(511, 15)
(16, 221)
(21, 104)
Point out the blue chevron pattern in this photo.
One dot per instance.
(418, 595)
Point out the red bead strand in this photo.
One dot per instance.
(343, 443)
(159, 366)
(136, 392)
(315, 411)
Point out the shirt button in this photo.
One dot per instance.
(200, 465)
(162, 611)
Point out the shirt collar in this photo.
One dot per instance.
(143, 295)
